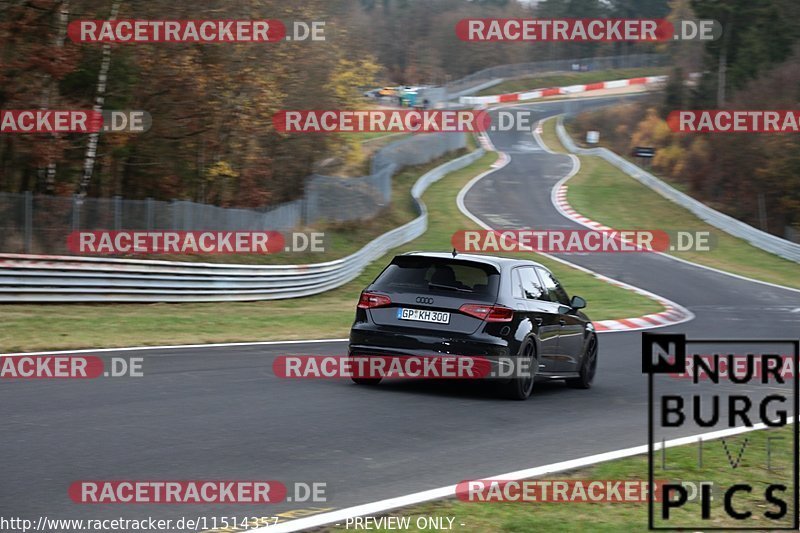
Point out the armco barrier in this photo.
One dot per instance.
(737, 228)
(557, 91)
(487, 77)
(30, 278)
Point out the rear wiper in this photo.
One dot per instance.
(440, 286)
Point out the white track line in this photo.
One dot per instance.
(682, 314)
(450, 490)
(175, 347)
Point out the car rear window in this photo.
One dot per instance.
(434, 274)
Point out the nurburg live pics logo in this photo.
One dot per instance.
(752, 493)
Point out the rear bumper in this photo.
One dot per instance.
(370, 341)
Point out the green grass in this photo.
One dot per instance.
(604, 193)
(328, 315)
(570, 78)
(522, 517)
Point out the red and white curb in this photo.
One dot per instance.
(672, 314)
(567, 210)
(486, 144)
(559, 91)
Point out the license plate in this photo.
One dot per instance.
(423, 315)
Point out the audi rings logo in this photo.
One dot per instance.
(424, 300)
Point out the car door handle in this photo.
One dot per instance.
(538, 321)
(562, 322)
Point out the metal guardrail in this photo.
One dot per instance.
(737, 228)
(31, 278)
(488, 77)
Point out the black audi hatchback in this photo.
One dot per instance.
(506, 311)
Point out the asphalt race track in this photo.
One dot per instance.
(220, 413)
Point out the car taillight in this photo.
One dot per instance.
(489, 313)
(369, 300)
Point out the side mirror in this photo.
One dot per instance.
(577, 302)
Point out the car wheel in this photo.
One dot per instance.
(366, 381)
(520, 388)
(588, 367)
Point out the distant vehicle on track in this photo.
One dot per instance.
(388, 91)
(403, 96)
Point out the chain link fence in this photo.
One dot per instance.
(40, 224)
(335, 199)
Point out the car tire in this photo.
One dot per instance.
(366, 381)
(520, 388)
(588, 367)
